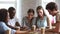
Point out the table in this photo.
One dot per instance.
(41, 31)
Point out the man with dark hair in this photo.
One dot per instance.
(53, 10)
(13, 21)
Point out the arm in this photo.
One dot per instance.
(12, 27)
(49, 25)
(5, 27)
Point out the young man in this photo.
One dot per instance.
(53, 10)
(12, 18)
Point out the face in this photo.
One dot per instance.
(12, 14)
(40, 12)
(53, 13)
(7, 17)
(30, 15)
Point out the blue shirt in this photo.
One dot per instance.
(4, 27)
(41, 23)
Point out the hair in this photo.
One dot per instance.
(31, 10)
(11, 9)
(3, 15)
(51, 6)
(40, 7)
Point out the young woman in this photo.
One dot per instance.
(27, 21)
(41, 19)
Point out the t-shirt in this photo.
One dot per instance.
(4, 27)
(52, 19)
(26, 23)
(41, 23)
(13, 21)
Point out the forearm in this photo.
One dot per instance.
(11, 27)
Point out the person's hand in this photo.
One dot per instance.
(34, 27)
(17, 28)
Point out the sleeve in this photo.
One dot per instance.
(16, 19)
(7, 28)
(45, 24)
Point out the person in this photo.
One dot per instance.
(28, 20)
(4, 21)
(41, 19)
(13, 20)
(53, 10)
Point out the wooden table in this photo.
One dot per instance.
(42, 31)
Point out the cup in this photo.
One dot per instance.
(33, 27)
(42, 30)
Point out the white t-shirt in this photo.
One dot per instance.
(51, 17)
(13, 21)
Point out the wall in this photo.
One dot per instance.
(58, 3)
(26, 4)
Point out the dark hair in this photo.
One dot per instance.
(31, 10)
(40, 7)
(3, 14)
(11, 9)
(51, 6)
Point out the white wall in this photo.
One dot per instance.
(26, 4)
(58, 3)
(18, 9)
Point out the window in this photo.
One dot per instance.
(7, 3)
(12, 3)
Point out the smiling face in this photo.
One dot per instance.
(53, 13)
(40, 12)
(52, 8)
(12, 14)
